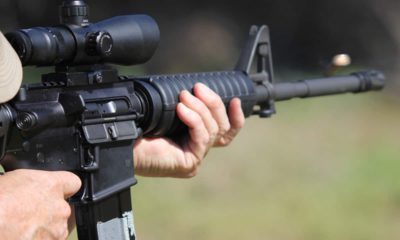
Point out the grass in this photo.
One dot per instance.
(321, 169)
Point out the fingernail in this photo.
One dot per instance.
(203, 88)
(184, 94)
(240, 102)
(182, 106)
(200, 84)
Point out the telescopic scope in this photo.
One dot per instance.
(124, 40)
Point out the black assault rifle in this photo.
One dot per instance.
(85, 118)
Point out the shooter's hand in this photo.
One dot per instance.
(33, 206)
(209, 126)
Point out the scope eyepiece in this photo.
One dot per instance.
(43, 46)
(125, 40)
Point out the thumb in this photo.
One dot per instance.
(70, 183)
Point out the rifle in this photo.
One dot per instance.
(84, 117)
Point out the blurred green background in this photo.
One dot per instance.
(323, 168)
(326, 168)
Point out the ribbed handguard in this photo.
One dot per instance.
(227, 85)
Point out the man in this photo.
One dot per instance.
(33, 203)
